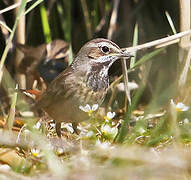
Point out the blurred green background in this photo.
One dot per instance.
(67, 21)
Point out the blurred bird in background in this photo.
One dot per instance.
(45, 61)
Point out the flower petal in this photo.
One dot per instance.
(85, 108)
(95, 107)
(110, 115)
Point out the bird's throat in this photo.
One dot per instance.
(97, 78)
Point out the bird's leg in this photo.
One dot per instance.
(58, 129)
(75, 125)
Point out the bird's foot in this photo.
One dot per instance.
(58, 129)
(75, 125)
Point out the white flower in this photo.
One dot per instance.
(131, 86)
(5, 167)
(104, 145)
(84, 152)
(26, 132)
(59, 151)
(141, 130)
(95, 107)
(68, 126)
(36, 152)
(37, 125)
(87, 108)
(186, 121)
(89, 134)
(27, 113)
(109, 131)
(179, 106)
(110, 116)
(52, 124)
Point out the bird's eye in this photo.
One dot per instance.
(105, 49)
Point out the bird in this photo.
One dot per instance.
(85, 81)
(45, 60)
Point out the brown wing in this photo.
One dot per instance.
(56, 90)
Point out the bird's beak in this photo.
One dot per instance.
(125, 54)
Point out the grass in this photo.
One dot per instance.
(148, 140)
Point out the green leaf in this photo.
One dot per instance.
(135, 42)
(45, 24)
(171, 23)
(125, 125)
(147, 57)
(5, 52)
(11, 116)
(33, 6)
(70, 55)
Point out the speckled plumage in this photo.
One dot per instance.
(85, 82)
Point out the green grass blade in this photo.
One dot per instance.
(171, 23)
(11, 116)
(33, 6)
(124, 128)
(5, 26)
(70, 55)
(21, 9)
(67, 29)
(5, 52)
(135, 42)
(147, 57)
(65, 19)
(45, 24)
(61, 15)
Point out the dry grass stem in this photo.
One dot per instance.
(183, 76)
(184, 21)
(87, 19)
(5, 29)
(20, 38)
(160, 42)
(12, 7)
(125, 76)
(111, 30)
(112, 25)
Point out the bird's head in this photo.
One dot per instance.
(99, 52)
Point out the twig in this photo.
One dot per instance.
(20, 38)
(126, 80)
(101, 24)
(33, 6)
(11, 117)
(170, 22)
(12, 7)
(184, 73)
(156, 43)
(159, 41)
(184, 21)
(103, 19)
(167, 43)
(5, 28)
(87, 19)
(113, 94)
(109, 36)
(135, 43)
(9, 42)
(113, 19)
(184, 42)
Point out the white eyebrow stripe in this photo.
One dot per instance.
(109, 45)
(101, 44)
